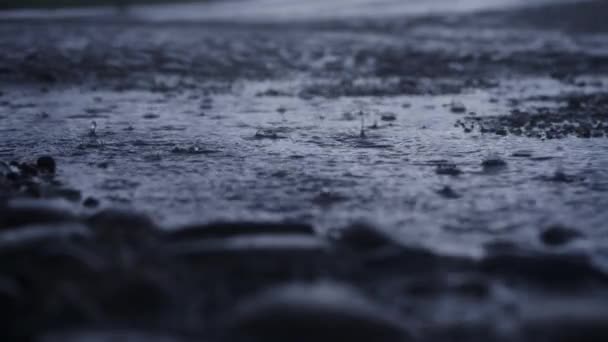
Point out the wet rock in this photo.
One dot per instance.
(558, 235)
(268, 134)
(560, 176)
(457, 107)
(231, 229)
(68, 194)
(474, 288)
(150, 116)
(122, 225)
(448, 192)
(447, 169)
(272, 93)
(493, 162)
(111, 335)
(319, 312)
(23, 212)
(327, 197)
(569, 321)
(135, 295)
(362, 236)
(255, 249)
(38, 233)
(549, 270)
(388, 117)
(46, 164)
(193, 150)
(90, 202)
(522, 154)
(501, 131)
(500, 247)
(9, 301)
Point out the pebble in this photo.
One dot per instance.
(388, 117)
(362, 236)
(268, 134)
(448, 169)
(10, 302)
(448, 192)
(568, 321)
(562, 177)
(326, 197)
(548, 270)
(69, 194)
(23, 212)
(558, 235)
(314, 312)
(522, 154)
(134, 295)
(90, 202)
(231, 229)
(250, 248)
(493, 162)
(457, 107)
(122, 225)
(46, 164)
(40, 233)
(151, 116)
(111, 335)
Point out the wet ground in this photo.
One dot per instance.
(424, 177)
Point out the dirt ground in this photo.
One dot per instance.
(428, 177)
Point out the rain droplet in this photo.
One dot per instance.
(92, 131)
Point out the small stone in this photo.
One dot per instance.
(448, 192)
(388, 117)
(558, 235)
(69, 194)
(90, 202)
(232, 229)
(151, 116)
(117, 224)
(135, 295)
(550, 270)
(448, 169)
(457, 107)
(25, 212)
(110, 335)
(268, 134)
(522, 154)
(568, 321)
(253, 249)
(10, 302)
(561, 177)
(574, 103)
(319, 312)
(362, 236)
(493, 162)
(327, 197)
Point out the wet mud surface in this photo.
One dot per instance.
(425, 178)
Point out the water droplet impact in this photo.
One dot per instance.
(93, 129)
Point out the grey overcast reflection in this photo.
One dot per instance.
(290, 170)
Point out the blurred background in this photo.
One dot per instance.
(259, 10)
